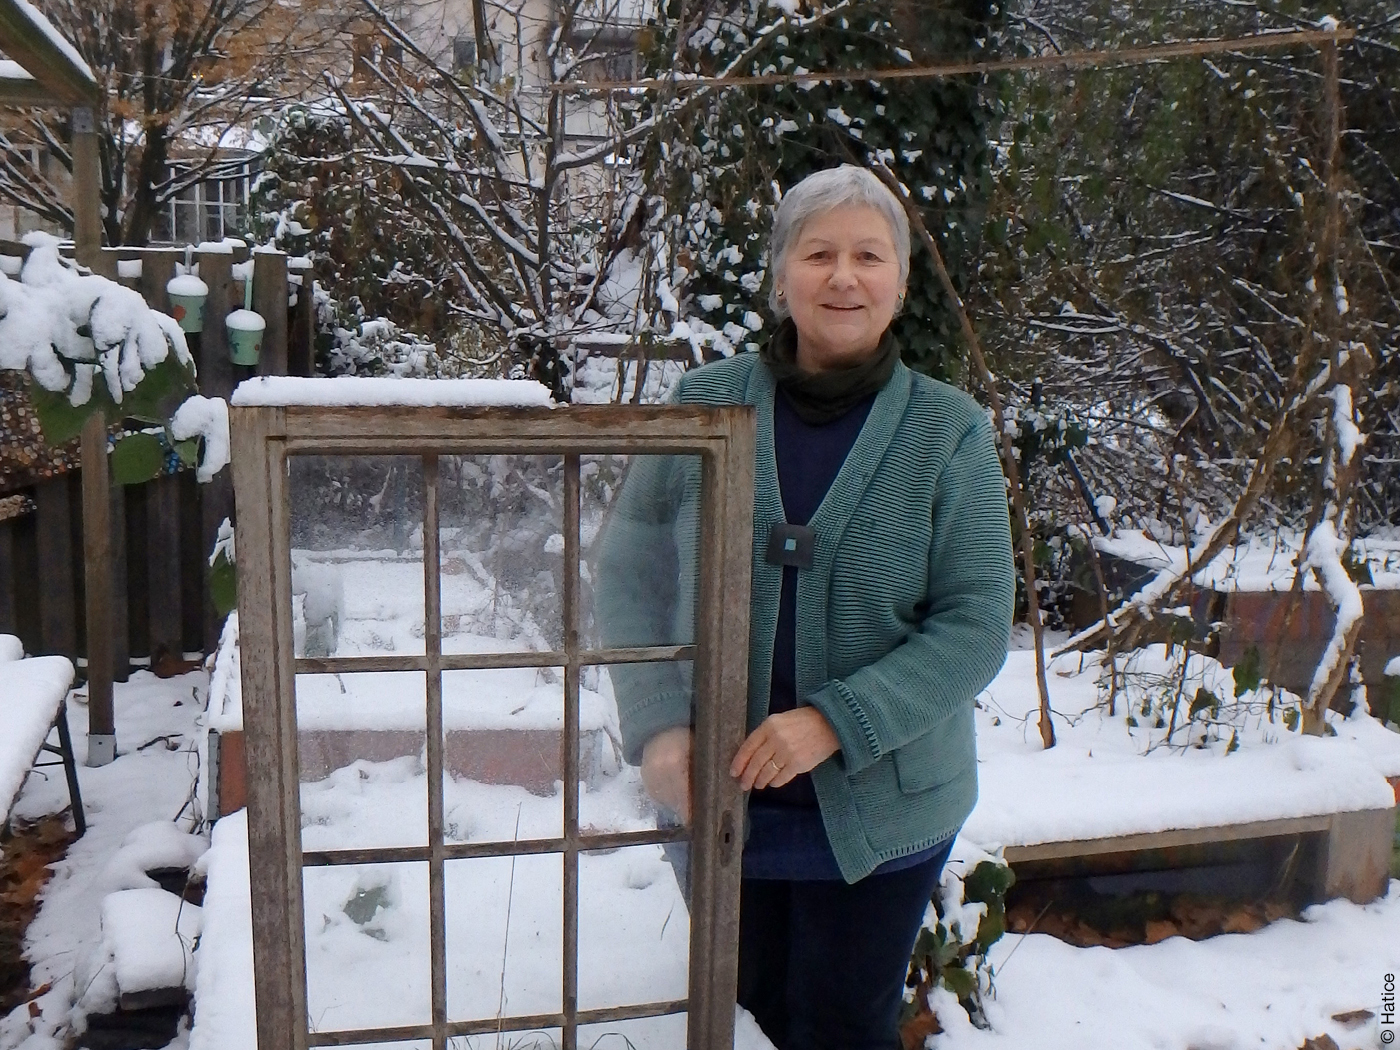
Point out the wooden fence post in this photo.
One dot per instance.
(97, 562)
(270, 300)
(8, 623)
(216, 378)
(301, 335)
(58, 615)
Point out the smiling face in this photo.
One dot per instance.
(840, 281)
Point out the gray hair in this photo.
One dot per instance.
(822, 192)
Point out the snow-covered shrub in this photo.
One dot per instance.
(88, 343)
(91, 345)
(379, 347)
(967, 916)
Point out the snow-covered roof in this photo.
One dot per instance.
(357, 391)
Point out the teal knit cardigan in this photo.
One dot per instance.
(903, 619)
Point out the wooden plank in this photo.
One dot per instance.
(26, 91)
(1356, 859)
(433, 753)
(157, 267)
(97, 590)
(598, 429)
(216, 379)
(721, 700)
(264, 602)
(215, 368)
(87, 189)
(192, 562)
(301, 334)
(26, 43)
(58, 610)
(270, 300)
(8, 623)
(163, 584)
(569, 744)
(28, 613)
(119, 613)
(1255, 829)
(138, 593)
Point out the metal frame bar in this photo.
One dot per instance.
(723, 439)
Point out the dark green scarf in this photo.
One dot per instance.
(820, 397)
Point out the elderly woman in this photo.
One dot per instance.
(881, 605)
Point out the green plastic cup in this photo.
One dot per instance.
(187, 295)
(245, 336)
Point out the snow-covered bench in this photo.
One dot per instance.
(32, 702)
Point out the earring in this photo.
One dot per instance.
(899, 302)
(780, 293)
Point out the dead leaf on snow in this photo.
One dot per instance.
(1353, 1018)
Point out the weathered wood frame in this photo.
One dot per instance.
(263, 438)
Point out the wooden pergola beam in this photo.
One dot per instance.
(25, 91)
(52, 73)
(55, 67)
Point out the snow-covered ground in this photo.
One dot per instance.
(1269, 989)
(152, 782)
(1116, 774)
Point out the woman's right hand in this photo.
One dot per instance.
(666, 770)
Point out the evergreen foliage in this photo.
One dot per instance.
(724, 167)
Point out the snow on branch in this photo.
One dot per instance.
(65, 328)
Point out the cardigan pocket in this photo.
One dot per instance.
(942, 754)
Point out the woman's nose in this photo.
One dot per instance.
(843, 274)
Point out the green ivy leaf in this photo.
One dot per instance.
(59, 420)
(959, 981)
(991, 928)
(988, 882)
(1391, 705)
(188, 451)
(1248, 672)
(223, 585)
(156, 397)
(137, 458)
(1204, 700)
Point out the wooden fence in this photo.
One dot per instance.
(163, 530)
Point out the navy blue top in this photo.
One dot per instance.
(787, 839)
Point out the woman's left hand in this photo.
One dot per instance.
(786, 744)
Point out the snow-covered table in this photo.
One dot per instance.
(32, 696)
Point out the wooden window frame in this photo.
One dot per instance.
(262, 440)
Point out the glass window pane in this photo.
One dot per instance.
(633, 704)
(667, 1032)
(535, 1039)
(502, 754)
(501, 522)
(357, 555)
(640, 547)
(367, 953)
(360, 746)
(633, 927)
(505, 941)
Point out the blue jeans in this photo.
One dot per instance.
(822, 963)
